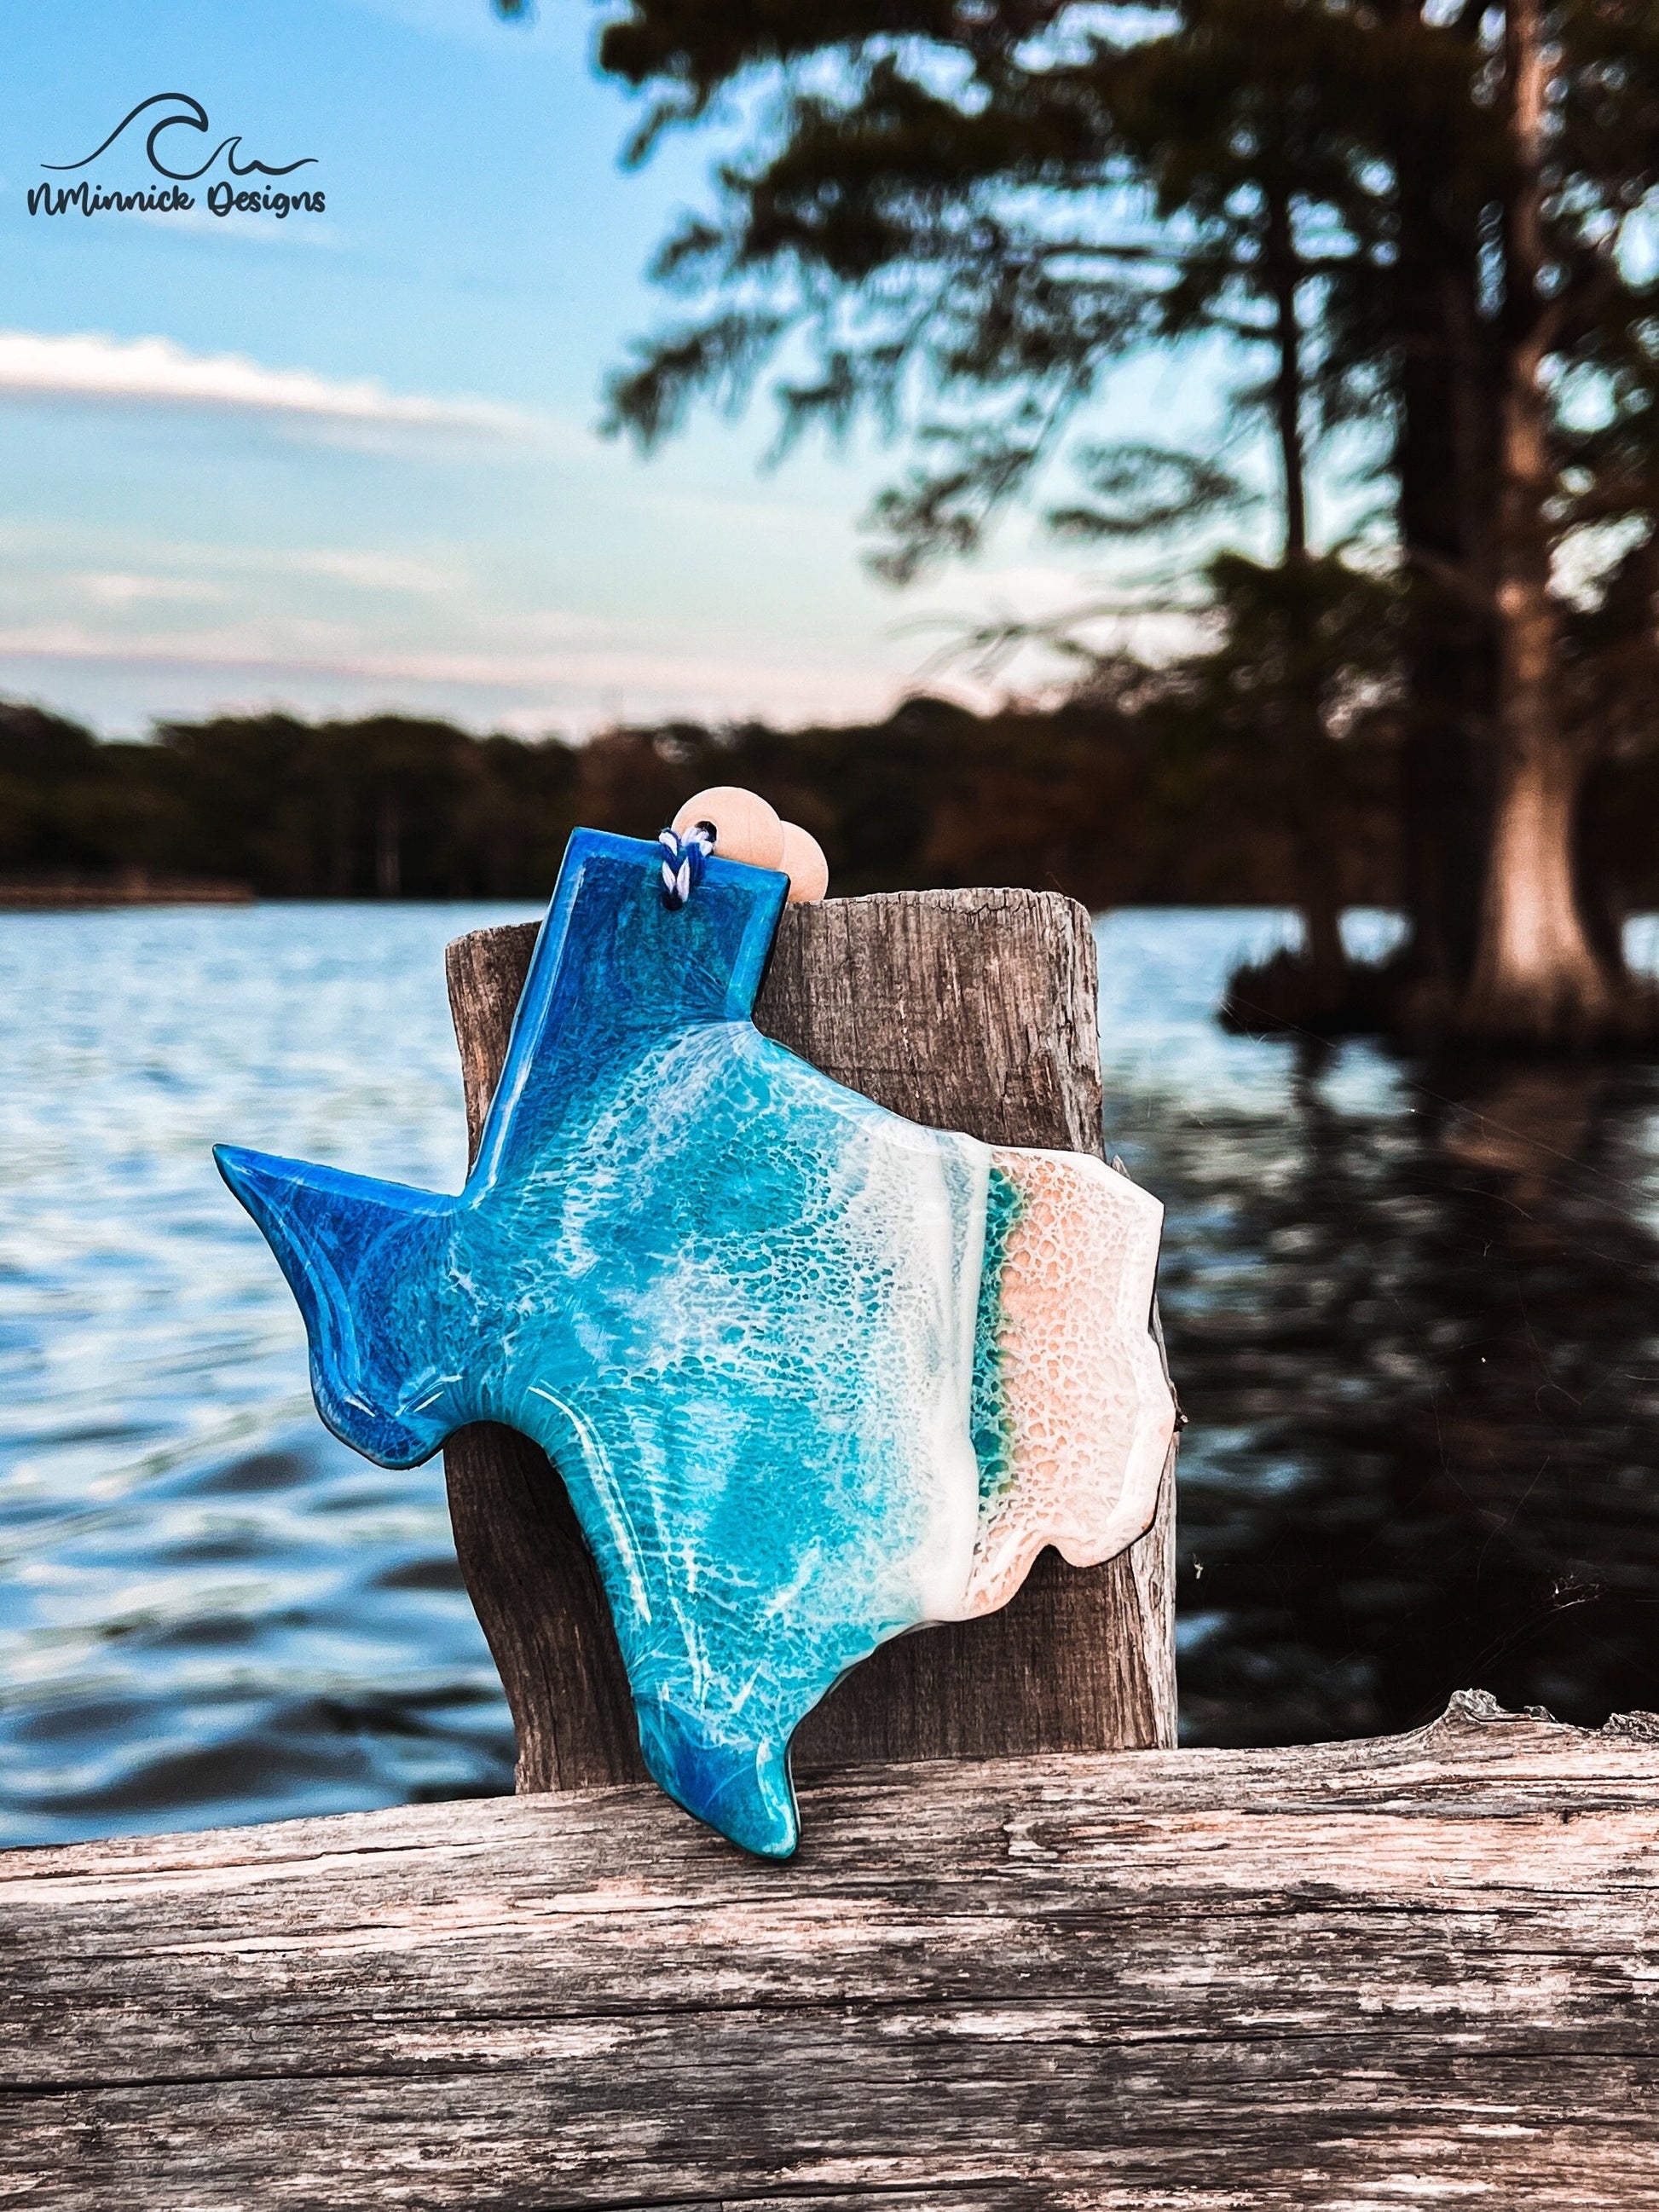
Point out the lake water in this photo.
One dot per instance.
(1411, 1310)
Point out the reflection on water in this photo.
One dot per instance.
(1410, 1310)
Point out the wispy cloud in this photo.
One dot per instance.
(156, 371)
(366, 571)
(254, 662)
(320, 648)
(139, 568)
(118, 589)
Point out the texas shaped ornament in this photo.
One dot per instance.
(812, 1374)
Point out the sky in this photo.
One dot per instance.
(349, 460)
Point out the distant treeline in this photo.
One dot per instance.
(1123, 798)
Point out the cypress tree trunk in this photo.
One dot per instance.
(388, 847)
(1313, 839)
(1443, 463)
(1536, 978)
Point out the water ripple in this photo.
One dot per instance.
(210, 1611)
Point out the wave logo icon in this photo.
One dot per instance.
(246, 189)
(194, 118)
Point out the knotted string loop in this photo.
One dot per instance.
(683, 861)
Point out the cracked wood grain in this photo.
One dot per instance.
(1422, 1969)
(965, 1010)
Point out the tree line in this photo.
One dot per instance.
(1135, 791)
(1425, 234)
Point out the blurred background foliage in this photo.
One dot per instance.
(1144, 788)
(1417, 244)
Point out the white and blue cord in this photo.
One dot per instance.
(683, 859)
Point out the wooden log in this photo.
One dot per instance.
(1424, 1970)
(964, 1009)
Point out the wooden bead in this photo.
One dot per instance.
(745, 828)
(805, 865)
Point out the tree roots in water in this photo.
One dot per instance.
(1283, 995)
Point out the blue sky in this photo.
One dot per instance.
(349, 460)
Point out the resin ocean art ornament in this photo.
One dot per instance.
(813, 1375)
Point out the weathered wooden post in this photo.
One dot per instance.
(965, 1010)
